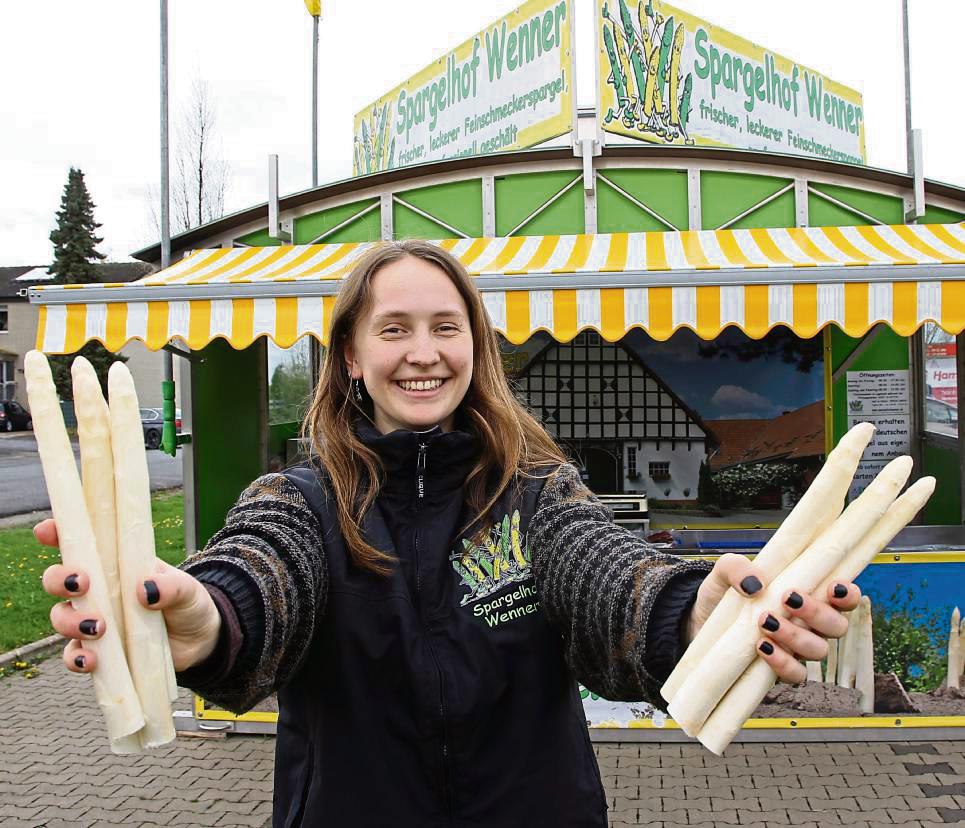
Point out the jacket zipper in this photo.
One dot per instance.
(420, 497)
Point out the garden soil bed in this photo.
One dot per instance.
(818, 700)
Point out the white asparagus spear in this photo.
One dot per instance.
(97, 466)
(831, 672)
(954, 651)
(135, 534)
(746, 694)
(113, 686)
(814, 671)
(711, 678)
(961, 649)
(864, 679)
(817, 509)
(847, 663)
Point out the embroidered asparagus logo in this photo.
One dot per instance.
(501, 559)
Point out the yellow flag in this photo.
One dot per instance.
(314, 7)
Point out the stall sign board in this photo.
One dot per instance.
(881, 398)
(507, 88)
(669, 77)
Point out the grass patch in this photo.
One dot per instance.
(25, 607)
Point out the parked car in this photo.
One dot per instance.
(14, 417)
(942, 417)
(152, 421)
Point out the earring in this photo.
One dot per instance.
(358, 391)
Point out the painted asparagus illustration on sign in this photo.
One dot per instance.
(373, 150)
(667, 76)
(652, 96)
(502, 559)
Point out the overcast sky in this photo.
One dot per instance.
(81, 87)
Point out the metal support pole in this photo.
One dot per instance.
(169, 438)
(909, 145)
(314, 101)
(960, 367)
(165, 149)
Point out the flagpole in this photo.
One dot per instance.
(314, 100)
(909, 144)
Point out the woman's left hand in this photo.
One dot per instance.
(802, 635)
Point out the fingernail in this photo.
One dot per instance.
(70, 583)
(151, 590)
(794, 601)
(88, 627)
(840, 591)
(80, 661)
(771, 624)
(767, 648)
(751, 584)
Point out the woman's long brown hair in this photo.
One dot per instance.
(513, 443)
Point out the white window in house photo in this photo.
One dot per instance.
(940, 381)
(632, 462)
(660, 471)
(4, 319)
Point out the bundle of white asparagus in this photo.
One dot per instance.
(104, 527)
(720, 681)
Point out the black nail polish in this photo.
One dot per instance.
(79, 662)
(88, 627)
(751, 584)
(767, 648)
(840, 591)
(794, 601)
(151, 590)
(771, 624)
(70, 583)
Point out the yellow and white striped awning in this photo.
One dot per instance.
(853, 277)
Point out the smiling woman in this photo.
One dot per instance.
(413, 358)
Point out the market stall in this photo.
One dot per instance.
(643, 251)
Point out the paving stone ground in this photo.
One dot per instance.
(57, 772)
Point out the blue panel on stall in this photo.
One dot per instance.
(939, 587)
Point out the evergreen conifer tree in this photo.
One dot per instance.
(74, 238)
(75, 254)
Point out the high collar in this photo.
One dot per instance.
(448, 457)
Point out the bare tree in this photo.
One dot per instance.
(199, 171)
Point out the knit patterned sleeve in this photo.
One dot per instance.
(617, 600)
(269, 563)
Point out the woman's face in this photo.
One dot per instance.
(413, 349)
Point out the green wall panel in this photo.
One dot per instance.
(518, 196)
(458, 204)
(228, 429)
(259, 238)
(889, 352)
(944, 507)
(777, 213)
(663, 191)
(407, 224)
(726, 195)
(941, 215)
(822, 213)
(367, 228)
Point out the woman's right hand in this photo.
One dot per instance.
(190, 614)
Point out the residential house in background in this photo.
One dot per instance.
(18, 330)
(624, 424)
(794, 437)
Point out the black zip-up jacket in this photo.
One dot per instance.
(441, 694)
